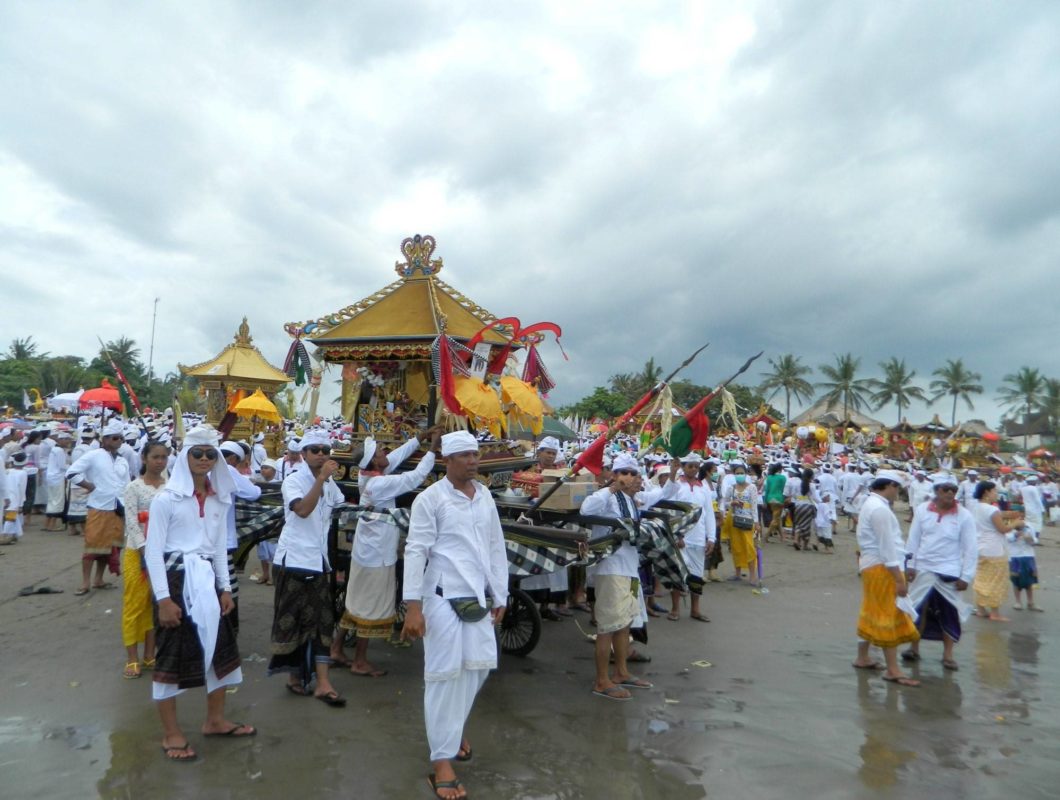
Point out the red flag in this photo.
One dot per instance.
(446, 387)
(592, 458)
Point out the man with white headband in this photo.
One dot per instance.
(304, 619)
(55, 479)
(233, 454)
(371, 587)
(617, 584)
(549, 587)
(699, 541)
(187, 563)
(291, 460)
(456, 590)
(105, 474)
(942, 555)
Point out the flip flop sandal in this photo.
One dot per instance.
(437, 784)
(373, 673)
(910, 655)
(131, 671)
(81, 592)
(673, 617)
(333, 699)
(231, 732)
(103, 586)
(613, 693)
(296, 690)
(149, 663)
(183, 749)
(912, 683)
(950, 664)
(341, 662)
(700, 617)
(464, 755)
(636, 683)
(875, 665)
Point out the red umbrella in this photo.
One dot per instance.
(105, 395)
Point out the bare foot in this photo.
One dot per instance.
(996, 617)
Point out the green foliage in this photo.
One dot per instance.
(957, 381)
(788, 377)
(843, 386)
(601, 403)
(896, 386)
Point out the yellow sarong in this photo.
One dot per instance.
(744, 555)
(881, 622)
(991, 581)
(137, 608)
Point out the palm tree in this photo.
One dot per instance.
(24, 350)
(651, 373)
(1023, 392)
(787, 376)
(958, 381)
(896, 386)
(1050, 405)
(843, 385)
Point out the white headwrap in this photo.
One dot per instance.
(692, 458)
(315, 437)
(180, 481)
(458, 442)
(625, 461)
(944, 479)
(549, 443)
(235, 448)
(369, 453)
(113, 428)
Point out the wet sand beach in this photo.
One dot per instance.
(760, 703)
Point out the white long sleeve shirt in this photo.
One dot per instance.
(920, 492)
(879, 534)
(700, 493)
(1032, 500)
(375, 542)
(179, 523)
(58, 461)
(304, 541)
(455, 543)
(108, 473)
(944, 544)
(245, 490)
(624, 560)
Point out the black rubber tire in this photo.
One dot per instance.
(521, 626)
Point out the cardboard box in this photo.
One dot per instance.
(569, 496)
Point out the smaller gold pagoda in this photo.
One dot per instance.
(239, 366)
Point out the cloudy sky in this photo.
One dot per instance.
(809, 177)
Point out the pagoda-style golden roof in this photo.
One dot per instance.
(240, 361)
(402, 319)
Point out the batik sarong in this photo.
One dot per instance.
(881, 622)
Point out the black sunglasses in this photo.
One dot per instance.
(198, 452)
(626, 472)
(945, 488)
(316, 448)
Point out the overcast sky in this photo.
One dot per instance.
(810, 177)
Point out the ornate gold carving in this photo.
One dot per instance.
(418, 250)
(243, 334)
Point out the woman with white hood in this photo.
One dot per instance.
(188, 566)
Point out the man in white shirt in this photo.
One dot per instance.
(371, 587)
(304, 619)
(942, 556)
(920, 491)
(700, 540)
(1033, 507)
(616, 576)
(966, 490)
(233, 454)
(55, 480)
(881, 622)
(456, 590)
(258, 453)
(104, 474)
(291, 460)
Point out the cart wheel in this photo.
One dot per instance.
(521, 626)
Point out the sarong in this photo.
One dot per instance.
(104, 530)
(56, 499)
(137, 604)
(881, 622)
(938, 616)
(370, 594)
(617, 602)
(803, 515)
(31, 494)
(179, 653)
(303, 622)
(726, 527)
(233, 581)
(991, 581)
(1023, 572)
(743, 550)
(78, 508)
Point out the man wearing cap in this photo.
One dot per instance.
(920, 491)
(371, 587)
(104, 473)
(292, 459)
(616, 577)
(304, 610)
(552, 586)
(700, 540)
(1033, 506)
(942, 554)
(55, 480)
(185, 557)
(966, 490)
(233, 454)
(456, 590)
(258, 454)
(881, 622)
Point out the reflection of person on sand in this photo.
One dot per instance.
(188, 565)
(881, 622)
(880, 761)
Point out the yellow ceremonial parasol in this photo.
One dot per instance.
(258, 405)
(480, 403)
(527, 407)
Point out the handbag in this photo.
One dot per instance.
(468, 609)
(742, 518)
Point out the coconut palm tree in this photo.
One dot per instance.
(787, 376)
(1022, 391)
(896, 386)
(24, 350)
(843, 384)
(958, 381)
(1050, 405)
